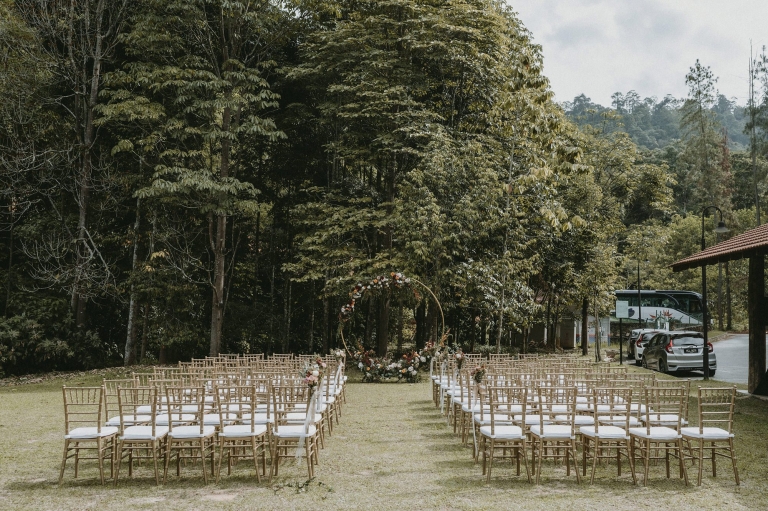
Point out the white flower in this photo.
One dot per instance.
(315, 373)
(423, 359)
(360, 365)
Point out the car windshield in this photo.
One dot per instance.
(688, 340)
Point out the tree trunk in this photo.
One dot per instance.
(720, 303)
(728, 304)
(129, 357)
(367, 340)
(382, 325)
(311, 339)
(218, 240)
(421, 326)
(144, 333)
(326, 323)
(585, 326)
(9, 278)
(400, 326)
(598, 355)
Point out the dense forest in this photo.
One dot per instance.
(189, 177)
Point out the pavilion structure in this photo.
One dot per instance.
(753, 245)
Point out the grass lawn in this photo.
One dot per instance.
(392, 450)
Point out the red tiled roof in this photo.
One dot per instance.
(738, 247)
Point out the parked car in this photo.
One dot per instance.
(637, 341)
(668, 352)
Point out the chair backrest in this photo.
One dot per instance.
(558, 402)
(236, 403)
(83, 407)
(112, 408)
(715, 406)
(664, 406)
(684, 384)
(505, 402)
(130, 399)
(611, 406)
(185, 404)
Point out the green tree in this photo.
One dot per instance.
(198, 77)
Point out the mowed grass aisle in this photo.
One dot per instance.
(392, 450)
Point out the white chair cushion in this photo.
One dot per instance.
(707, 434)
(162, 419)
(657, 433)
(486, 419)
(241, 431)
(503, 432)
(580, 420)
(144, 409)
(618, 420)
(609, 432)
(129, 419)
(294, 431)
(144, 433)
(663, 419)
(531, 419)
(180, 432)
(260, 418)
(90, 433)
(551, 431)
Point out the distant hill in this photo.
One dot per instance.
(650, 122)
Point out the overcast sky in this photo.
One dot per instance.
(598, 47)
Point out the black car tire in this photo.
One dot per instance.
(662, 366)
(712, 372)
(644, 363)
(638, 362)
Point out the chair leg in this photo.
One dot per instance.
(64, 461)
(100, 455)
(682, 460)
(733, 460)
(255, 460)
(701, 461)
(155, 445)
(167, 459)
(490, 460)
(222, 449)
(119, 459)
(202, 460)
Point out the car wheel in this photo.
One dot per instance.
(662, 366)
(644, 363)
(711, 372)
(638, 362)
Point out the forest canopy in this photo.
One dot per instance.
(181, 178)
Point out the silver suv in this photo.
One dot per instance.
(678, 351)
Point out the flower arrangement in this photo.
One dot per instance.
(375, 369)
(313, 373)
(459, 356)
(395, 280)
(478, 374)
(338, 355)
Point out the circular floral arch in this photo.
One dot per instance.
(395, 281)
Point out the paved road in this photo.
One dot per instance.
(732, 360)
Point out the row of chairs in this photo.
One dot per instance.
(556, 407)
(242, 410)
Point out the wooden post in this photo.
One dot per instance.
(755, 300)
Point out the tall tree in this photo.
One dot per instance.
(198, 76)
(80, 39)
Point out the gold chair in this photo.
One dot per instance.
(84, 413)
(555, 436)
(612, 410)
(240, 438)
(503, 432)
(664, 408)
(715, 430)
(190, 433)
(137, 438)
